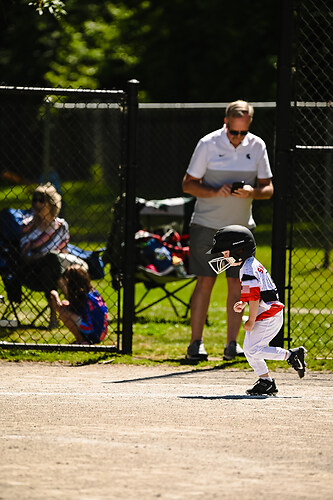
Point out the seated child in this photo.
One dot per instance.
(236, 246)
(84, 312)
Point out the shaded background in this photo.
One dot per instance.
(180, 50)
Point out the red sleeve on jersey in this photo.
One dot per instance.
(250, 293)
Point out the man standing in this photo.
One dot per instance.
(224, 157)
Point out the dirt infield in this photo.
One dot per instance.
(131, 432)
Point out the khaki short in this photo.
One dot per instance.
(201, 240)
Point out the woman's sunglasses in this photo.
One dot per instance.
(38, 198)
(238, 132)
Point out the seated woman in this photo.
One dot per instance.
(84, 311)
(44, 239)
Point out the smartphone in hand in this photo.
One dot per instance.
(237, 185)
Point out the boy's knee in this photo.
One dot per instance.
(250, 350)
(246, 346)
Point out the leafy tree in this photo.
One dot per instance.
(55, 7)
(180, 50)
(202, 50)
(27, 43)
(89, 40)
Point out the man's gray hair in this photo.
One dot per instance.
(238, 109)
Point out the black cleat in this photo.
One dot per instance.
(296, 360)
(263, 387)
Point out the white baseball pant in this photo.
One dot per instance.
(256, 342)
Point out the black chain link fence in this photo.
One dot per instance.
(167, 136)
(77, 141)
(310, 205)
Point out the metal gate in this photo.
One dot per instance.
(302, 235)
(82, 142)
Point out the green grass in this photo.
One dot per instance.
(159, 338)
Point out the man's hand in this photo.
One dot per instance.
(197, 188)
(224, 190)
(246, 191)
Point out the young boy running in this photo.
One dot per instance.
(236, 246)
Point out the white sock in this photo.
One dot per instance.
(288, 355)
(267, 378)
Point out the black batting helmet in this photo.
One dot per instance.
(240, 242)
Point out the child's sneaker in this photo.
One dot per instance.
(197, 351)
(296, 360)
(263, 387)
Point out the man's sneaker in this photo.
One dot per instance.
(263, 387)
(296, 360)
(232, 351)
(197, 351)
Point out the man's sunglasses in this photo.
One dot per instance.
(38, 198)
(238, 132)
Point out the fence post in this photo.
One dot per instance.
(283, 155)
(129, 250)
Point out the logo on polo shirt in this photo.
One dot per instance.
(248, 156)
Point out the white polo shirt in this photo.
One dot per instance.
(218, 162)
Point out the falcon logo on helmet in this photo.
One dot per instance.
(240, 243)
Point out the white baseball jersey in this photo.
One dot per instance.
(216, 161)
(257, 284)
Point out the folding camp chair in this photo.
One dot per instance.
(34, 303)
(157, 216)
(153, 280)
(172, 212)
